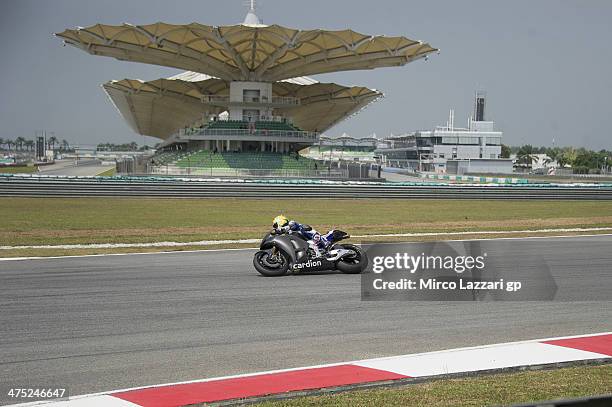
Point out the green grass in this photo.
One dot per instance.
(108, 173)
(111, 220)
(19, 170)
(499, 389)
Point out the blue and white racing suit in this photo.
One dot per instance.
(320, 241)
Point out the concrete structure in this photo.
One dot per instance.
(245, 88)
(479, 166)
(429, 150)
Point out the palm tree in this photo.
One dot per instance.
(567, 157)
(9, 143)
(525, 155)
(19, 143)
(65, 145)
(1, 142)
(30, 145)
(52, 140)
(505, 151)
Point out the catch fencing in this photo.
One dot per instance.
(166, 187)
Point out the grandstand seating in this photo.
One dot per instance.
(168, 157)
(242, 160)
(250, 160)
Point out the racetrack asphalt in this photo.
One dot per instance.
(102, 323)
(66, 167)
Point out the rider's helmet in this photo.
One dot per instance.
(279, 222)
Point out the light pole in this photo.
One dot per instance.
(420, 165)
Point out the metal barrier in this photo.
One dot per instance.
(248, 172)
(47, 186)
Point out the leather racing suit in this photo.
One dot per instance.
(320, 242)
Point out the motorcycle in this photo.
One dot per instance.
(281, 252)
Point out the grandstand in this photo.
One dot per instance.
(244, 100)
(167, 157)
(242, 160)
(256, 126)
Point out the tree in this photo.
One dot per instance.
(568, 156)
(29, 145)
(19, 143)
(553, 153)
(505, 151)
(525, 155)
(9, 143)
(52, 140)
(1, 143)
(547, 161)
(65, 145)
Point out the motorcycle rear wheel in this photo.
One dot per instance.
(261, 264)
(353, 264)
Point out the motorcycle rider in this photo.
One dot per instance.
(318, 242)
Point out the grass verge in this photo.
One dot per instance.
(58, 221)
(108, 173)
(496, 389)
(53, 252)
(19, 170)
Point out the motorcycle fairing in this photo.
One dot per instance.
(294, 246)
(316, 264)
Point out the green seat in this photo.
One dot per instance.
(243, 160)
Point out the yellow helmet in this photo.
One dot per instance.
(280, 221)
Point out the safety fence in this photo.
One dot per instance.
(470, 178)
(172, 169)
(49, 186)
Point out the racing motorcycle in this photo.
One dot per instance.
(281, 252)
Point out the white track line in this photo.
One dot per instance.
(255, 248)
(249, 241)
(133, 245)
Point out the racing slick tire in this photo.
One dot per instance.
(271, 269)
(354, 264)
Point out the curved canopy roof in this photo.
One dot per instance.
(246, 52)
(159, 108)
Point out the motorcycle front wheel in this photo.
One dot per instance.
(353, 264)
(271, 264)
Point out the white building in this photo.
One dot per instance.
(429, 150)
